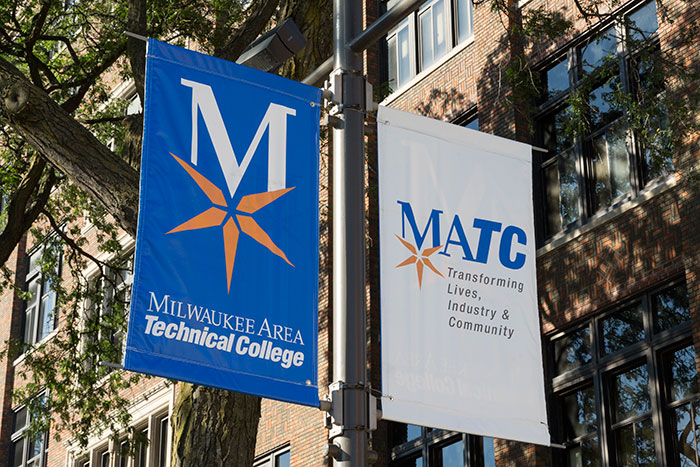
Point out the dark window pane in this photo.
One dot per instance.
(17, 452)
(20, 419)
(671, 308)
(603, 107)
(557, 78)
(562, 192)
(104, 459)
(593, 54)
(635, 444)
(686, 439)
(622, 328)
(123, 453)
(643, 22)
(644, 438)
(417, 462)
(585, 454)
(581, 416)
(631, 393)
(572, 350)
(611, 168)
(624, 439)
(556, 137)
(684, 374)
(283, 460)
(402, 433)
(451, 455)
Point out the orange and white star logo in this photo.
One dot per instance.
(234, 220)
(419, 259)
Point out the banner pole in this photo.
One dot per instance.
(349, 335)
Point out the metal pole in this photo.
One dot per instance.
(366, 38)
(349, 339)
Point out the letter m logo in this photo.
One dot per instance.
(274, 121)
(433, 224)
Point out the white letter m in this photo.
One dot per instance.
(275, 121)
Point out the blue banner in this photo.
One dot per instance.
(226, 265)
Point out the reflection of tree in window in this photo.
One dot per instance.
(572, 350)
(623, 328)
(595, 161)
(581, 427)
(684, 405)
(671, 308)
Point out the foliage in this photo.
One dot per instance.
(77, 54)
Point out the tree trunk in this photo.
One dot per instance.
(214, 427)
(211, 427)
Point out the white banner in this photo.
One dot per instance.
(461, 346)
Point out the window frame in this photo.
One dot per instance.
(582, 147)
(38, 299)
(412, 23)
(111, 281)
(652, 352)
(21, 435)
(150, 413)
(270, 458)
(430, 441)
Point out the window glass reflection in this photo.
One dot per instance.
(643, 22)
(402, 433)
(632, 393)
(684, 374)
(489, 452)
(584, 454)
(611, 168)
(671, 308)
(581, 416)
(635, 444)
(623, 328)
(572, 350)
(594, 53)
(558, 78)
(452, 455)
(687, 434)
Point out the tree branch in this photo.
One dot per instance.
(135, 48)
(69, 241)
(69, 146)
(19, 217)
(248, 31)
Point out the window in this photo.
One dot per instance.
(625, 385)
(28, 450)
(139, 450)
(425, 36)
(412, 445)
(280, 457)
(468, 119)
(106, 314)
(39, 314)
(596, 162)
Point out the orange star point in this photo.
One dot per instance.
(420, 260)
(214, 216)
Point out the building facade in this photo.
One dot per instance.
(617, 254)
(617, 249)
